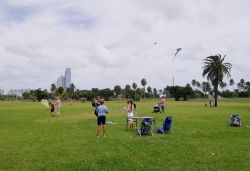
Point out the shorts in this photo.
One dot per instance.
(101, 120)
(130, 117)
(162, 107)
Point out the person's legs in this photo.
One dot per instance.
(103, 130)
(98, 131)
(163, 108)
(57, 112)
(103, 125)
(98, 127)
(131, 124)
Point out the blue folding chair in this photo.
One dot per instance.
(166, 127)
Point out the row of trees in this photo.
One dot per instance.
(193, 90)
(133, 92)
(227, 90)
(214, 70)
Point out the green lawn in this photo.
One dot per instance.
(201, 140)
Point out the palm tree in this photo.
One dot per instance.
(72, 88)
(126, 91)
(231, 82)
(154, 93)
(149, 89)
(198, 84)
(134, 85)
(214, 69)
(144, 83)
(241, 84)
(193, 82)
(223, 85)
(60, 90)
(53, 88)
(117, 90)
(205, 86)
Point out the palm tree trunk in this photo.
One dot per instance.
(215, 95)
(216, 84)
(144, 92)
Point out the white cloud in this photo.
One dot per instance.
(109, 42)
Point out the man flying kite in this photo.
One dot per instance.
(177, 51)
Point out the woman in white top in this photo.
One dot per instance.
(130, 110)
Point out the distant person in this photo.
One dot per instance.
(102, 110)
(71, 102)
(95, 104)
(52, 109)
(162, 104)
(211, 101)
(130, 109)
(58, 106)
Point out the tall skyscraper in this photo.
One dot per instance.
(60, 82)
(67, 77)
(1, 91)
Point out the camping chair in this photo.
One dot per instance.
(145, 127)
(166, 127)
(234, 120)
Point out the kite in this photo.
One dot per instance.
(177, 51)
(45, 103)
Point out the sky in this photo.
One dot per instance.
(118, 42)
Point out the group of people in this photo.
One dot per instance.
(101, 111)
(55, 108)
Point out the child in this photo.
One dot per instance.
(130, 110)
(52, 109)
(58, 106)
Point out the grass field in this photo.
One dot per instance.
(201, 140)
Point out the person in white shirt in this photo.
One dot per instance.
(58, 106)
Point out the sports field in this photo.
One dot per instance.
(30, 139)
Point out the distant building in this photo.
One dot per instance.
(18, 92)
(60, 82)
(1, 91)
(64, 81)
(67, 78)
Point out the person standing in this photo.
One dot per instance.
(102, 110)
(58, 106)
(95, 104)
(162, 104)
(52, 109)
(130, 109)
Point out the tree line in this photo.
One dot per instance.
(192, 90)
(215, 69)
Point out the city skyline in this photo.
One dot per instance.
(64, 81)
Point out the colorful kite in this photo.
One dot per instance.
(177, 51)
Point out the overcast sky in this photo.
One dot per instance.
(118, 42)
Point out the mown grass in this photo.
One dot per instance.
(201, 140)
